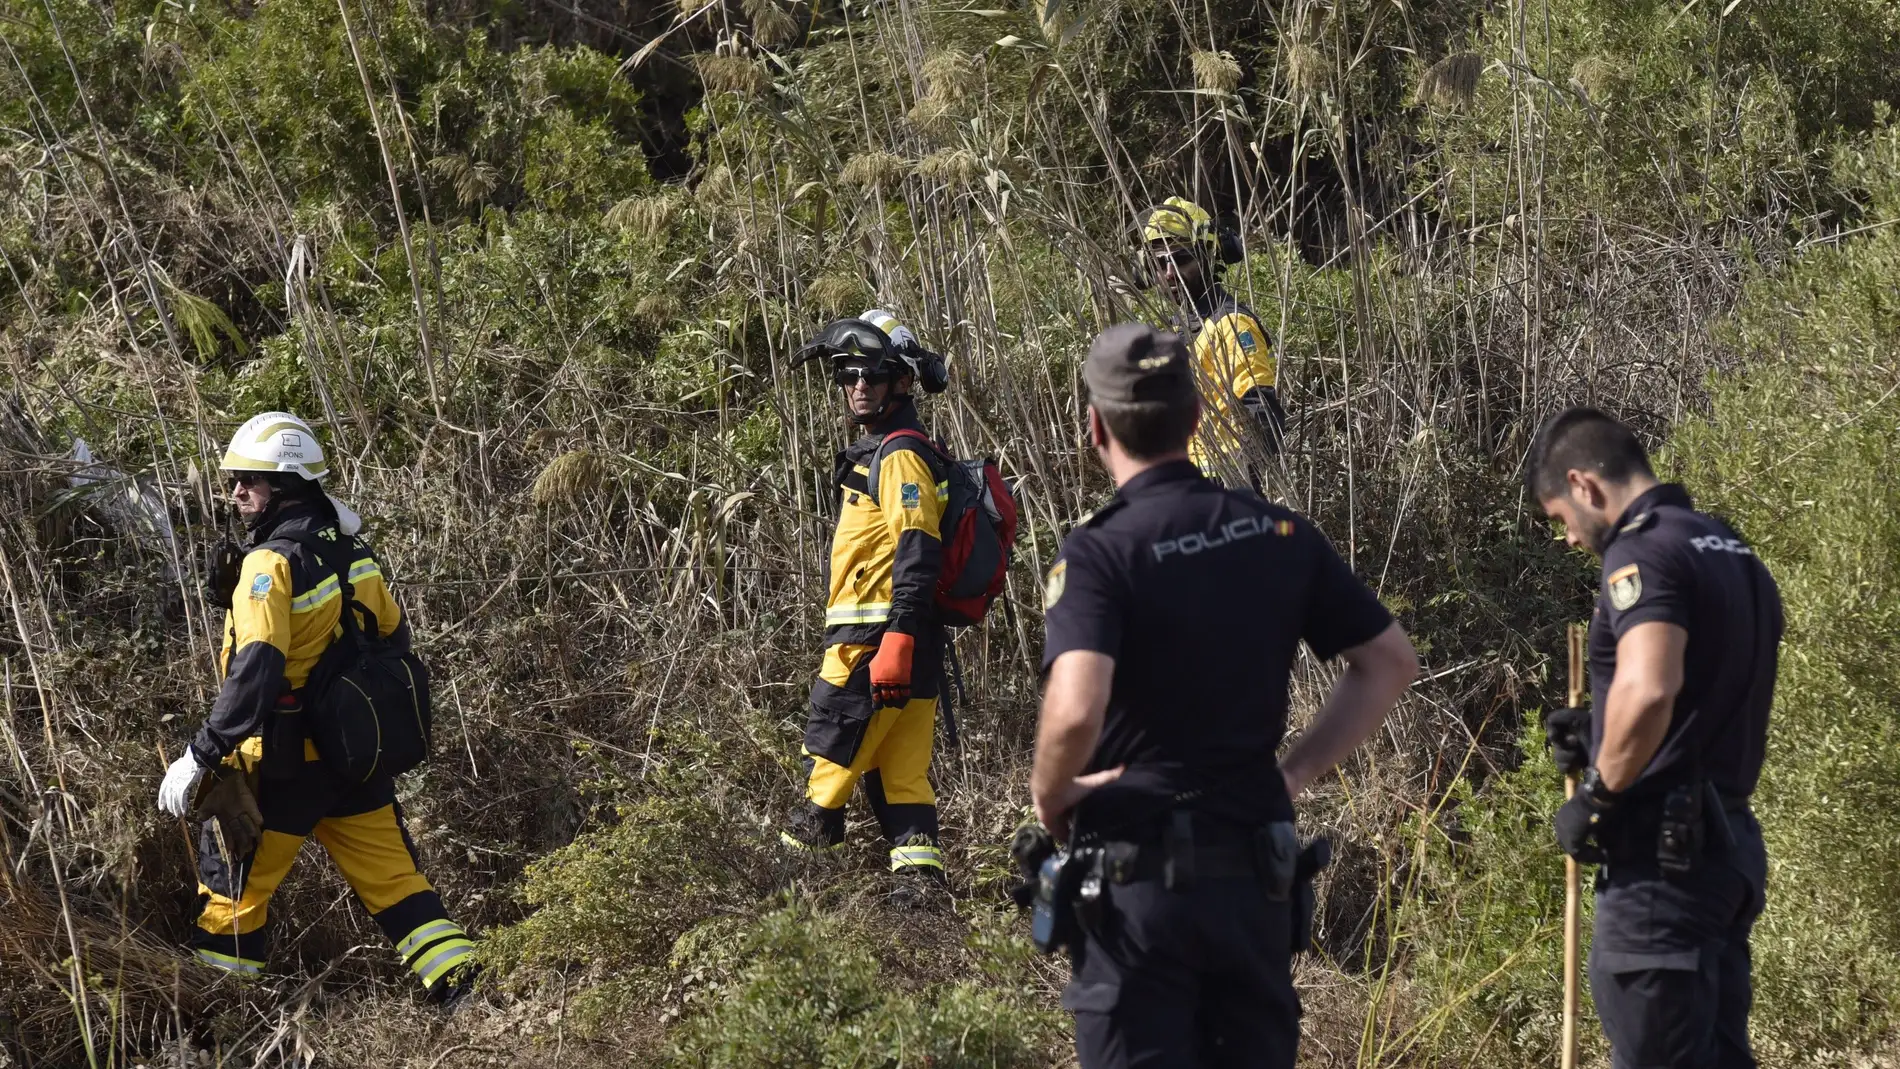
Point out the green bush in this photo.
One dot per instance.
(801, 988)
(609, 906)
(1482, 925)
(1798, 453)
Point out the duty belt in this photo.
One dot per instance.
(1134, 863)
(1672, 829)
(1191, 851)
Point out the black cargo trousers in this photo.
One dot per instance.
(1184, 979)
(1670, 971)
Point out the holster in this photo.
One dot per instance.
(1675, 831)
(1276, 853)
(1053, 920)
(1270, 854)
(283, 734)
(1317, 855)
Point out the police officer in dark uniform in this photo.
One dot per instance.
(1683, 648)
(1174, 615)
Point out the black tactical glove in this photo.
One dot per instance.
(221, 573)
(1030, 848)
(1568, 733)
(1579, 822)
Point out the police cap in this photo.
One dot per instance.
(1133, 362)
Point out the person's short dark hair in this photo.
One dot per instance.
(1582, 439)
(1149, 429)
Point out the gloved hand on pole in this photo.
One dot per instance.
(1567, 731)
(1578, 823)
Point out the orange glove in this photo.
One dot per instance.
(890, 670)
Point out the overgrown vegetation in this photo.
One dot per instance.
(539, 282)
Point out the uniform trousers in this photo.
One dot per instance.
(849, 740)
(361, 827)
(893, 763)
(1670, 970)
(1200, 978)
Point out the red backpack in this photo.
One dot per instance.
(978, 532)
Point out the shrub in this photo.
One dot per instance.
(806, 989)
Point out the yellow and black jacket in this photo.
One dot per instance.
(1237, 371)
(284, 613)
(886, 556)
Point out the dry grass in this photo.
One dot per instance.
(1452, 82)
(1216, 72)
(870, 170)
(597, 620)
(732, 74)
(75, 977)
(648, 215)
(953, 167)
(772, 25)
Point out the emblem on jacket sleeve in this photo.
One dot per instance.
(1057, 582)
(910, 495)
(1626, 585)
(260, 587)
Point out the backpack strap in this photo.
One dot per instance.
(937, 455)
(325, 554)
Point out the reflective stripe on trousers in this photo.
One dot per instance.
(917, 856)
(434, 948)
(230, 963)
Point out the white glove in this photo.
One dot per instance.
(180, 788)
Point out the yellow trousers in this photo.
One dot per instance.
(897, 746)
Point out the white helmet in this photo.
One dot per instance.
(899, 334)
(925, 366)
(276, 441)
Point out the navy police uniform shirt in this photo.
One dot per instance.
(1202, 596)
(1667, 562)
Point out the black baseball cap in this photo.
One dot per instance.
(1132, 362)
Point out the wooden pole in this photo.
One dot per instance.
(1573, 878)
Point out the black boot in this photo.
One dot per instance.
(814, 829)
(453, 990)
(917, 871)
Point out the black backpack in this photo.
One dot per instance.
(366, 703)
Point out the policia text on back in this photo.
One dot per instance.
(1173, 618)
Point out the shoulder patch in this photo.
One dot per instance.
(1247, 342)
(1053, 587)
(1626, 586)
(910, 495)
(260, 586)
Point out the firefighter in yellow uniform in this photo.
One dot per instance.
(874, 704)
(1234, 361)
(284, 611)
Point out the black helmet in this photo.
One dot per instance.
(878, 337)
(851, 339)
(887, 345)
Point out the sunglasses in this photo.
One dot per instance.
(247, 478)
(848, 377)
(1177, 257)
